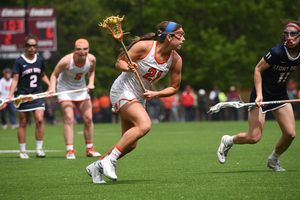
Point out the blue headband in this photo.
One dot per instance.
(169, 28)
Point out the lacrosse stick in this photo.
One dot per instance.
(113, 24)
(30, 97)
(17, 100)
(239, 104)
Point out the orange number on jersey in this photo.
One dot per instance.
(152, 73)
(78, 76)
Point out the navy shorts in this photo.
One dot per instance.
(32, 105)
(270, 107)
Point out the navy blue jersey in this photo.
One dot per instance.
(274, 78)
(29, 74)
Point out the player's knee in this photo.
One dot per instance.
(39, 121)
(254, 139)
(69, 121)
(145, 128)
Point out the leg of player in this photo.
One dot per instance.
(256, 121)
(39, 132)
(23, 117)
(68, 113)
(135, 124)
(286, 120)
(85, 109)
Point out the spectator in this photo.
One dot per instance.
(154, 110)
(232, 95)
(223, 98)
(49, 111)
(175, 105)
(96, 109)
(105, 108)
(202, 105)
(5, 83)
(167, 101)
(214, 99)
(188, 100)
(292, 93)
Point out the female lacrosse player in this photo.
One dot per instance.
(70, 73)
(28, 71)
(152, 60)
(270, 76)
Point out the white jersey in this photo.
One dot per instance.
(127, 87)
(73, 78)
(4, 87)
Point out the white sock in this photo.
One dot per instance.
(116, 152)
(274, 156)
(39, 144)
(22, 147)
(69, 147)
(89, 145)
(229, 140)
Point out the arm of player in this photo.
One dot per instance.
(260, 67)
(13, 86)
(91, 73)
(61, 66)
(46, 80)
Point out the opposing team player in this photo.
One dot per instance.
(28, 71)
(69, 74)
(270, 77)
(153, 60)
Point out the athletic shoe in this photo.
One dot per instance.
(109, 168)
(23, 155)
(95, 173)
(70, 154)
(223, 150)
(4, 127)
(90, 152)
(40, 153)
(14, 126)
(275, 165)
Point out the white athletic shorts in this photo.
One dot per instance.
(120, 96)
(73, 96)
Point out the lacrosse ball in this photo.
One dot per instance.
(113, 21)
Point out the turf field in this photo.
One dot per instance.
(174, 161)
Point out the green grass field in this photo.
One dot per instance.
(173, 161)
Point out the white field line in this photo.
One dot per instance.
(27, 151)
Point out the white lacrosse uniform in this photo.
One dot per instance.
(4, 87)
(71, 79)
(127, 87)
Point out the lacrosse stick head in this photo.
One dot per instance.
(22, 99)
(113, 24)
(216, 108)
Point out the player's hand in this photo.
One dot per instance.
(90, 87)
(50, 92)
(9, 98)
(132, 66)
(258, 100)
(149, 95)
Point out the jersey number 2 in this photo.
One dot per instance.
(33, 81)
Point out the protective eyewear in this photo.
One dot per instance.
(30, 45)
(179, 34)
(291, 33)
(81, 49)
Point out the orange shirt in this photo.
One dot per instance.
(104, 101)
(96, 105)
